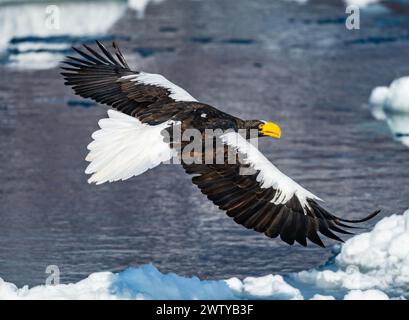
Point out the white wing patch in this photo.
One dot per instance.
(124, 147)
(269, 175)
(176, 93)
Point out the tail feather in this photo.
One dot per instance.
(125, 147)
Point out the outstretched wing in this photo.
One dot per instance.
(107, 79)
(265, 200)
(129, 142)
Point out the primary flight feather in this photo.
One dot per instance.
(131, 141)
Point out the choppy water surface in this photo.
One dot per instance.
(293, 64)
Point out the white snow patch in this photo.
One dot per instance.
(373, 260)
(140, 6)
(34, 60)
(96, 286)
(372, 265)
(271, 286)
(298, 1)
(360, 3)
(366, 295)
(377, 100)
(392, 105)
(78, 18)
(23, 21)
(321, 297)
(394, 98)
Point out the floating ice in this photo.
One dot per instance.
(395, 98)
(147, 282)
(392, 105)
(37, 35)
(361, 3)
(372, 265)
(64, 19)
(298, 1)
(376, 260)
(366, 295)
(96, 286)
(140, 6)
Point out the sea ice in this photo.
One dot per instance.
(392, 105)
(360, 3)
(371, 265)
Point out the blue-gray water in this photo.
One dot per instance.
(274, 60)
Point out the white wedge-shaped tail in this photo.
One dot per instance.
(124, 147)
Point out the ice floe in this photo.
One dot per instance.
(396, 97)
(298, 1)
(79, 18)
(140, 5)
(392, 105)
(37, 35)
(371, 265)
(361, 3)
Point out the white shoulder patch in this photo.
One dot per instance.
(269, 175)
(176, 92)
(125, 147)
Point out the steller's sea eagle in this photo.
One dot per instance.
(132, 140)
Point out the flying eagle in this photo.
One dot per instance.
(131, 140)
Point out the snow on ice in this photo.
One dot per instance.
(371, 265)
(392, 105)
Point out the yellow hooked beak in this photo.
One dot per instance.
(270, 129)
